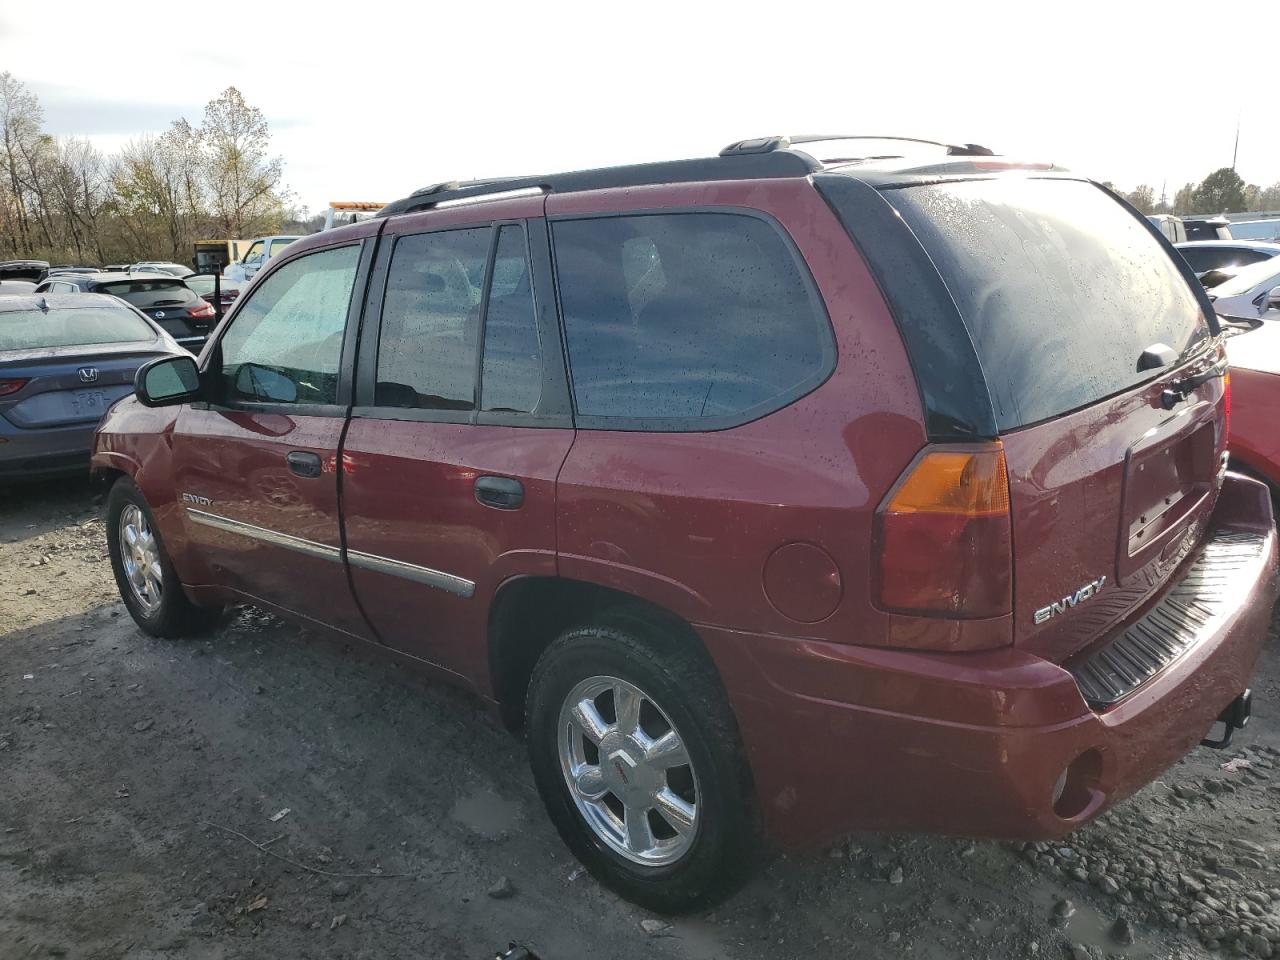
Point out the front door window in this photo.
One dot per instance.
(285, 344)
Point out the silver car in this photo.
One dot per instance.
(64, 359)
(1252, 293)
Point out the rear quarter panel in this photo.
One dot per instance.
(688, 520)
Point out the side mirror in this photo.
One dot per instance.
(167, 381)
(1273, 298)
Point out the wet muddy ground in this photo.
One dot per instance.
(263, 793)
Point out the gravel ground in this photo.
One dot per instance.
(261, 792)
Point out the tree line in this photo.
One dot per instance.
(1223, 191)
(63, 200)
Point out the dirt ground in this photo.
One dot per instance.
(393, 819)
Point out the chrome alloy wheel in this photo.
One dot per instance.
(140, 555)
(628, 771)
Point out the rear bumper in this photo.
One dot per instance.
(53, 451)
(980, 744)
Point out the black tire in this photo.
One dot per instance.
(726, 843)
(175, 615)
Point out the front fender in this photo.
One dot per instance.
(137, 441)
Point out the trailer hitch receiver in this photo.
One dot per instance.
(1235, 717)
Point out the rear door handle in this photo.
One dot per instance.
(501, 492)
(303, 464)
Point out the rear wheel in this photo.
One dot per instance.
(144, 574)
(636, 756)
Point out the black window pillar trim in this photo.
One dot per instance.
(953, 388)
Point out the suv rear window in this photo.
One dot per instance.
(146, 294)
(1214, 258)
(687, 321)
(1061, 289)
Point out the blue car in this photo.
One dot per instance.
(64, 359)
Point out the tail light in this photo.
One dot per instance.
(944, 537)
(8, 387)
(203, 311)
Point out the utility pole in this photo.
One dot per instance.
(1236, 149)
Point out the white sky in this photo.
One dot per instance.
(370, 100)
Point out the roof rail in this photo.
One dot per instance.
(761, 145)
(746, 166)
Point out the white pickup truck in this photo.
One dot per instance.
(256, 256)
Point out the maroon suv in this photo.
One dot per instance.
(771, 497)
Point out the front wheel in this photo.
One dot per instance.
(637, 758)
(145, 576)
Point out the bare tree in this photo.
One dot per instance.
(244, 181)
(20, 120)
(1143, 197)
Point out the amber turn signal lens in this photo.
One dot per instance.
(944, 537)
(969, 484)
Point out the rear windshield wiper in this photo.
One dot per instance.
(1180, 389)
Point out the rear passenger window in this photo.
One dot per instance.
(430, 320)
(687, 321)
(512, 379)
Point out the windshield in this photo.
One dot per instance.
(40, 329)
(1249, 278)
(1060, 287)
(150, 293)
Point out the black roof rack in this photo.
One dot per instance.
(746, 166)
(761, 158)
(765, 145)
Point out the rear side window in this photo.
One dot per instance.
(431, 319)
(148, 294)
(687, 321)
(1061, 289)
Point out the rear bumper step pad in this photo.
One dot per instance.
(1175, 624)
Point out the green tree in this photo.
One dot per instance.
(1221, 192)
(1184, 201)
(1267, 198)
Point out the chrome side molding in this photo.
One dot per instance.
(438, 579)
(309, 547)
(411, 571)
